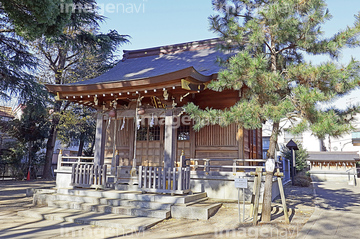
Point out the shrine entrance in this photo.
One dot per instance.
(150, 145)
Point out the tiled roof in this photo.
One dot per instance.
(6, 112)
(333, 156)
(146, 63)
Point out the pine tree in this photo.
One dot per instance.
(269, 70)
(269, 39)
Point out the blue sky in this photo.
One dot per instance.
(158, 22)
(153, 23)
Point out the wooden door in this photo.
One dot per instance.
(183, 142)
(150, 146)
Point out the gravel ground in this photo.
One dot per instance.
(223, 225)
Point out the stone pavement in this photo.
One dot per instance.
(337, 212)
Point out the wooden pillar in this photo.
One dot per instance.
(170, 140)
(99, 139)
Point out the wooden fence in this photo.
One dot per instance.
(88, 176)
(164, 180)
(66, 162)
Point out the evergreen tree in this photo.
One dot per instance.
(80, 44)
(269, 39)
(77, 127)
(32, 19)
(30, 131)
(15, 64)
(301, 156)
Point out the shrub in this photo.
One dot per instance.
(302, 180)
(300, 156)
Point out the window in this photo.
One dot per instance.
(266, 142)
(141, 134)
(183, 133)
(148, 133)
(154, 133)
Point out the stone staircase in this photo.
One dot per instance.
(62, 204)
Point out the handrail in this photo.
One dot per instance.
(207, 164)
(76, 157)
(67, 165)
(238, 160)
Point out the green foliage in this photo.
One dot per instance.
(77, 125)
(32, 19)
(30, 132)
(80, 52)
(16, 61)
(12, 158)
(301, 156)
(268, 39)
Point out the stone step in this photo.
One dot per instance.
(123, 222)
(136, 203)
(196, 201)
(122, 210)
(134, 195)
(80, 199)
(202, 210)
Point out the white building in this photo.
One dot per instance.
(349, 142)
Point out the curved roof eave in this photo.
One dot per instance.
(189, 72)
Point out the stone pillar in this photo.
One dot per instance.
(170, 140)
(99, 139)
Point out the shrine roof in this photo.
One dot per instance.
(6, 112)
(153, 62)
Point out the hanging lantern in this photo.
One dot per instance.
(112, 113)
(141, 111)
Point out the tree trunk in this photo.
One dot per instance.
(81, 146)
(50, 145)
(273, 140)
(266, 209)
(92, 147)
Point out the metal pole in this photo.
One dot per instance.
(239, 204)
(292, 165)
(243, 204)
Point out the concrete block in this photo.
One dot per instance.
(200, 211)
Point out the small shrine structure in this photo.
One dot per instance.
(140, 115)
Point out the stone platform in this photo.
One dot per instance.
(96, 207)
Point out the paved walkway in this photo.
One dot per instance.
(337, 213)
